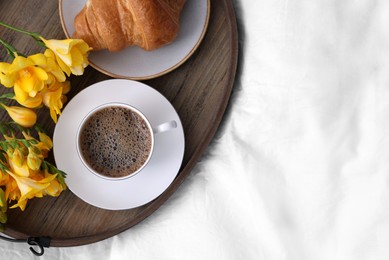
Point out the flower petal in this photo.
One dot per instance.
(21, 170)
(29, 188)
(20, 94)
(38, 59)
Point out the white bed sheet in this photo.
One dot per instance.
(300, 167)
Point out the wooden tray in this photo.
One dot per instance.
(199, 90)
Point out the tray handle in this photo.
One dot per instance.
(41, 242)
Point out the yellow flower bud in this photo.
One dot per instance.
(34, 158)
(46, 140)
(20, 170)
(17, 157)
(21, 115)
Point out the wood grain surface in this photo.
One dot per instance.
(199, 90)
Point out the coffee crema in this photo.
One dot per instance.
(115, 141)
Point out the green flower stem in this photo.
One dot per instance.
(39, 128)
(6, 129)
(34, 35)
(15, 143)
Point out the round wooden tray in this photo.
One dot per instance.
(199, 90)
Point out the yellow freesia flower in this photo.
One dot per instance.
(37, 80)
(71, 54)
(21, 115)
(47, 61)
(53, 98)
(29, 189)
(30, 96)
(25, 76)
(55, 188)
(53, 101)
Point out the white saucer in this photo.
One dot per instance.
(134, 62)
(148, 183)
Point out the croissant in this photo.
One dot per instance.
(116, 24)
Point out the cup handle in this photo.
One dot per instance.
(167, 126)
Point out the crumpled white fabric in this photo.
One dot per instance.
(300, 166)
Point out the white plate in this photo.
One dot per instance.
(135, 63)
(141, 188)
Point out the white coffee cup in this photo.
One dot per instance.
(115, 140)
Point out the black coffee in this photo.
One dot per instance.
(115, 141)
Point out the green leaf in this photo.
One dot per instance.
(61, 180)
(52, 169)
(3, 129)
(8, 95)
(10, 49)
(62, 173)
(34, 150)
(3, 207)
(19, 127)
(4, 168)
(4, 145)
(2, 196)
(12, 143)
(2, 156)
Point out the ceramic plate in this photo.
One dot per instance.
(135, 63)
(152, 180)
